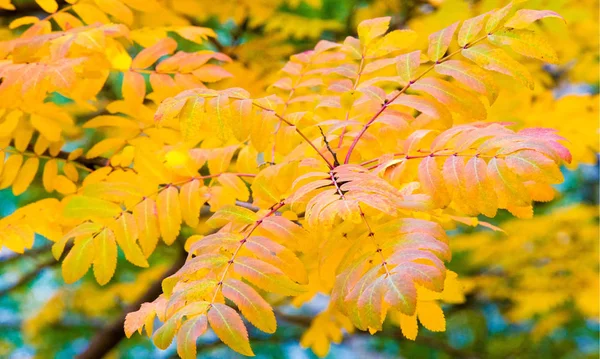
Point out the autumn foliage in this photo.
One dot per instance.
(342, 177)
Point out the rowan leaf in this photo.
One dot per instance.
(146, 217)
(526, 43)
(470, 76)
(228, 326)
(439, 42)
(456, 99)
(470, 29)
(407, 65)
(368, 30)
(495, 59)
(525, 17)
(188, 335)
(84, 207)
(25, 176)
(251, 304)
(266, 276)
(105, 256)
(234, 214)
(78, 260)
(169, 214)
(125, 230)
(150, 55)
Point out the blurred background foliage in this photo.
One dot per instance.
(532, 292)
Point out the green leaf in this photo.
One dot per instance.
(83, 207)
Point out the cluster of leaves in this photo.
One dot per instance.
(341, 180)
(556, 250)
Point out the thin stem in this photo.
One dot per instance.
(256, 224)
(356, 81)
(364, 219)
(403, 90)
(329, 164)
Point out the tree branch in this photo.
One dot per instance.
(28, 277)
(110, 336)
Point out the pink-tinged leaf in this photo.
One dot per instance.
(288, 233)
(373, 28)
(135, 321)
(105, 256)
(225, 240)
(432, 181)
(401, 293)
(496, 17)
(371, 307)
(480, 188)
(266, 276)
(470, 76)
(534, 166)
(456, 99)
(454, 176)
(188, 334)
(407, 65)
(229, 327)
(211, 73)
(509, 188)
(351, 301)
(251, 304)
(439, 42)
(150, 55)
(235, 214)
(146, 217)
(470, 29)
(169, 214)
(429, 107)
(279, 256)
(407, 256)
(526, 43)
(494, 59)
(134, 87)
(525, 17)
(374, 66)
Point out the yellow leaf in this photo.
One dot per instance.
(169, 214)
(105, 256)
(71, 171)
(11, 170)
(83, 207)
(25, 176)
(79, 260)
(146, 217)
(103, 147)
(25, 20)
(409, 326)
(49, 6)
(431, 316)
(126, 234)
(116, 9)
(134, 87)
(373, 28)
(64, 185)
(90, 14)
